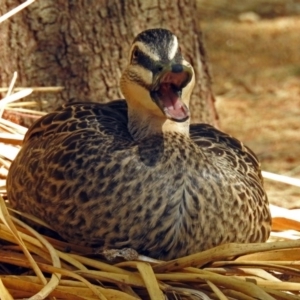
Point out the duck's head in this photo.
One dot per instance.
(158, 81)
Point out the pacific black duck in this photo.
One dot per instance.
(134, 173)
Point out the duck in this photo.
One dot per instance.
(135, 173)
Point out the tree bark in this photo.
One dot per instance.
(83, 46)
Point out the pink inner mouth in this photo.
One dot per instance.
(173, 106)
(170, 96)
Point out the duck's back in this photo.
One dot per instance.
(109, 119)
(168, 195)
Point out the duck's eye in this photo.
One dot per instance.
(134, 54)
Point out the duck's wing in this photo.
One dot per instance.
(214, 141)
(108, 118)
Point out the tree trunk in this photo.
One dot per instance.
(83, 46)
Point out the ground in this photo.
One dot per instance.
(255, 66)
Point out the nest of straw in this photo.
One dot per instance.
(41, 267)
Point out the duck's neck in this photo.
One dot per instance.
(142, 125)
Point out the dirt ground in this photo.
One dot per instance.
(255, 64)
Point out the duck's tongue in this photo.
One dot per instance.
(173, 106)
(168, 95)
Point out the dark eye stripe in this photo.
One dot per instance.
(144, 60)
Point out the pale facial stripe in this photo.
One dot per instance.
(171, 51)
(144, 49)
(173, 48)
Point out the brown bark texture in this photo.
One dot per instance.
(83, 45)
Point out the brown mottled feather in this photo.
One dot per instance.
(81, 172)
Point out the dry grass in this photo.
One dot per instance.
(232, 271)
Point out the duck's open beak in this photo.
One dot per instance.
(167, 90)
